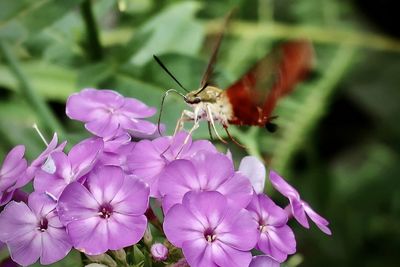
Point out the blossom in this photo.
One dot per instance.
(61, 169)
(220, 234)
(12, 171)
(254, 169)
(107, 114)
(299, 208)
(263, 261)
(34, 231)
(159, 252)
(204, 172)
(149, 158)
(38, 162)
(107, 213)
(276, 239)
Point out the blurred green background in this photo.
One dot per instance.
(339, 133)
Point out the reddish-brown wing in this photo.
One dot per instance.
(255, 95)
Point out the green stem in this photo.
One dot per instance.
(326, 35)
(35, 100)
(94, 47)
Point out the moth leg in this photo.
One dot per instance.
(195, 126)
(232, 138)
(209, 131)
(185, 117)
(211, 120)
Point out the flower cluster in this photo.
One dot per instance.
(96, 197)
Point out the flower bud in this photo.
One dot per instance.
(159, 252)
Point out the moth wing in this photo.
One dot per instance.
(255, 94)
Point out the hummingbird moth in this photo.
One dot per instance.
(252, 98)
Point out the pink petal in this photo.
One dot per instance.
(105, 126)
(80, 106)
(235, 226)
(298, 212)
(132, 198)
(224, 255)
(255, 171)
(90, 236)
(282, 186)
(321, 222)
(12, 162)
(56, 245)
(198, 253)
(213, 169)
(178, 230)
(263, 261)
(238, 190)
(83, 155)
(105, 182)
(76, 203)
(41, 204)
(137, 109)
(26, 249)
(125, 230)
(16, 216)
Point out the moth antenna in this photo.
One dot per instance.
(162, 106)
(40, 134)
(202, 89)
(169, 73)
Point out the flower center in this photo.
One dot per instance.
(210, 236)
(43, 225)
(262, 226)
(105, 211)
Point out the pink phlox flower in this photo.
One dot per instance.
(104, 213)
(299, 208)
(61, 169)
(12, 173)
(211, 231)
(205, 171)
(149, 158)
(106, 113)
(276, 239)
(32, 231)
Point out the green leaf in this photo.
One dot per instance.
(173, 30)
(52, 81)
(31, 16)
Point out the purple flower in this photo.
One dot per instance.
(107, 114)
(263, 261)
(117, 155)
(34, 231)
(12, 171)
(107, 214)
(149, 158)
(206, 171)
(254, 169)
(276, 239)
(159, 252)
(61, 169)
(211, 231)
(299, 208)
(38, 162)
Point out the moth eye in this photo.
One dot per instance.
(197, 100)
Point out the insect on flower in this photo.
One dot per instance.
(251, 99)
